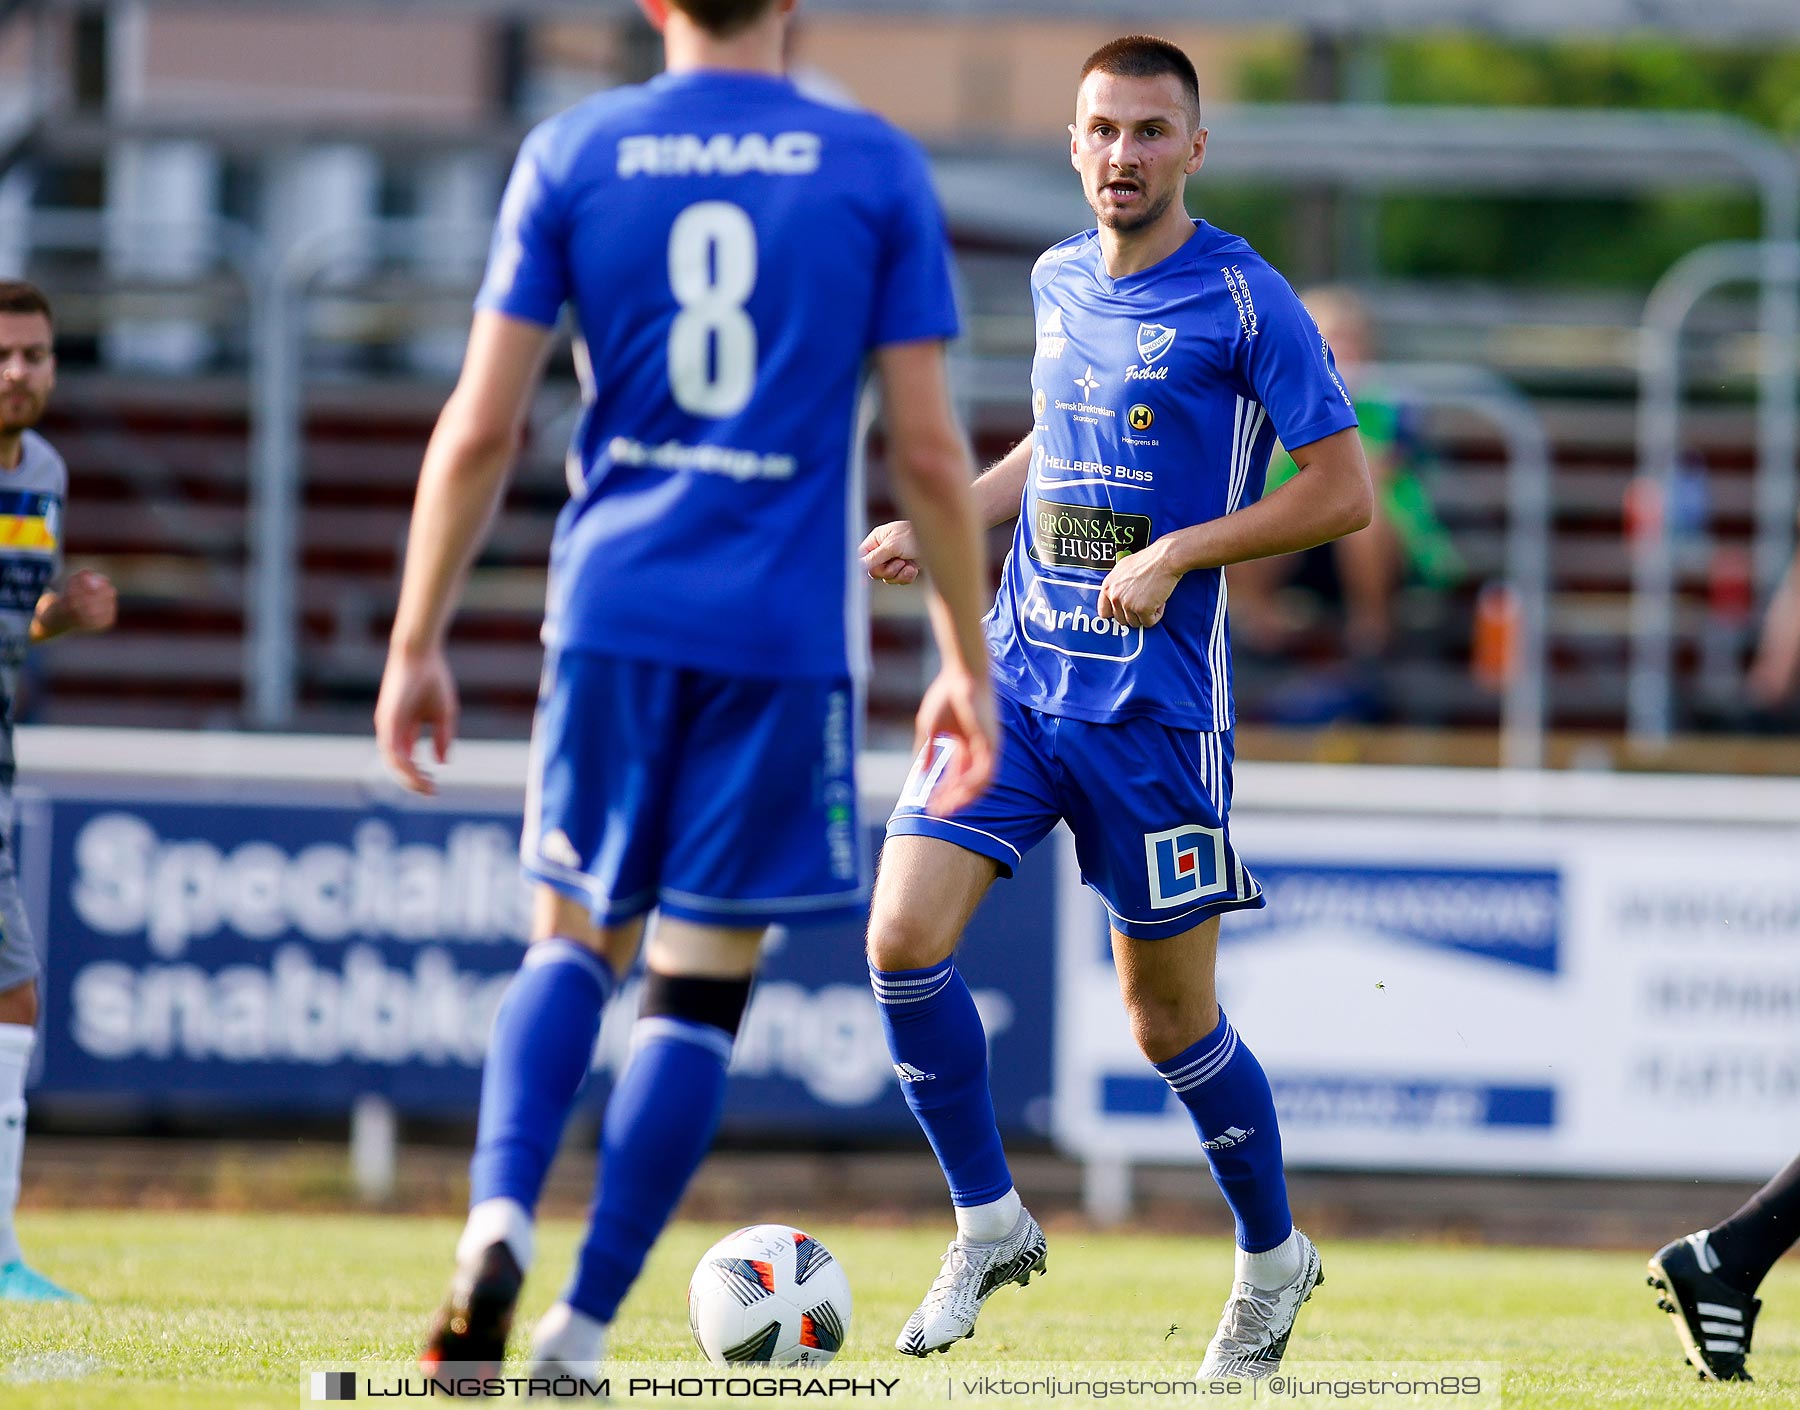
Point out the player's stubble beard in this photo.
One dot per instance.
(22, 404)
(1130, 224)
(21, 408)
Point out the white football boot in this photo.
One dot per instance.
(972, 1273)
(1253, 1332)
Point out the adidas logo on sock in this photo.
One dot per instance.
(1233, 1136)
(906, 1072)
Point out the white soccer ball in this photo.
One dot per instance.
(769, 1295)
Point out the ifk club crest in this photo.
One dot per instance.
(1153, 341)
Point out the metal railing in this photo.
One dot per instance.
(1352, 146)
(1776, 265)
(1481, 393)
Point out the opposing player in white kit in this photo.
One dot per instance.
(34, 607)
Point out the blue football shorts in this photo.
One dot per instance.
(723, 799)
(1148, 805)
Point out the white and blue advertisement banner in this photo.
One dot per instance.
(232, 950)
(1445, 993)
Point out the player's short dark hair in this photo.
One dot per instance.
(17, 296)
(723, 18)
(1146, 56)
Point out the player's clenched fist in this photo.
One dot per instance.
(1138, 588)
(890, 554)
(86, 602)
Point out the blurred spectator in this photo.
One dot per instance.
(1777, 663)
(1404, 542)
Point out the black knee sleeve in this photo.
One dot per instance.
(718, 1003)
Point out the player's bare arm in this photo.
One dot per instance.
(929, 460)
(85, 602)
(890, 554)
(466, 465)
(1330, 496)
(1777, 663)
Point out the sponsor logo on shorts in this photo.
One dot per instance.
(1085, 535)
(839, 794)
(1185, 864)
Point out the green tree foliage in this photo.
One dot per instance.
(1549, 239)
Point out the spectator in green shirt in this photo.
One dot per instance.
(1405, 541)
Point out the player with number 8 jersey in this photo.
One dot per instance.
(736, 257)
(721, 379)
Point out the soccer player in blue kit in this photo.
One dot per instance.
(736, 255)
(1169, 357)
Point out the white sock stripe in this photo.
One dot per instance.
(1722, 1329)
(680, 1030)
(1714, 1344)
(562, 950)
(892, 1000)
(900, 979)
(1187, 1081)
(917, 990)
(1208, 1062)
(1718, 1309)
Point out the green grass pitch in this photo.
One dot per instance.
(219, 1312)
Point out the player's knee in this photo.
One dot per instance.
(19, 1005)
(907, 937)
(1164, 1027)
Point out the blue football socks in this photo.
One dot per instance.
(659, 1125)
(1226, 1093)
(540, 1050)
(935, 1037)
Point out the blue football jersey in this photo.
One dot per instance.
(733, 252)
(1157, 398)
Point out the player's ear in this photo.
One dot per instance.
(1074, 148)
(1198, 155)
